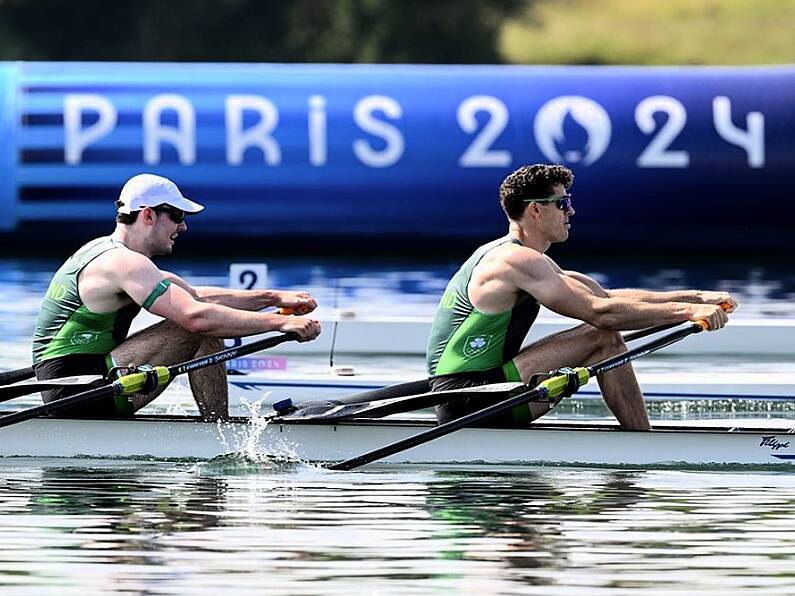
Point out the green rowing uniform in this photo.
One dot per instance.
(67, 327)
(465, 340)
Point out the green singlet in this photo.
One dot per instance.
(66, 327)
(464, 340)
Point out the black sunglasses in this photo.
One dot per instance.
(563, 203)
(174, 214)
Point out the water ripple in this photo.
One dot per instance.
(187, 528)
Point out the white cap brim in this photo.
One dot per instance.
(148, 190)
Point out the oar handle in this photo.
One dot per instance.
(652, 330)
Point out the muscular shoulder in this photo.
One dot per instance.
(118, 263)
(502, 273)
(520, 262)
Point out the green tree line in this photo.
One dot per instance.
(402, 31)
(366, 31)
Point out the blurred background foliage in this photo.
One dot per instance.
(402, 31)
(652, 32)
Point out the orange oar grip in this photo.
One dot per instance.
(286, 310)
(725, 305)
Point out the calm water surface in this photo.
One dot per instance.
(198, 528)
(235, 526)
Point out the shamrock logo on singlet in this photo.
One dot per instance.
(84, 338)
(476, 345)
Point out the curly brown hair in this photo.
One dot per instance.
(531, 182)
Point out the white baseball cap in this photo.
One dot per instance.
(148, 190)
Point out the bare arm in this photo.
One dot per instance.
(583, 298)
(589, 282)
(301, 302)
(689, 296)
(652, 297)
(137, 276)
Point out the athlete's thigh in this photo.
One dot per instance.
(163, 343)
(572, 347)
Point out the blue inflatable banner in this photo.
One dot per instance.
(670, 157)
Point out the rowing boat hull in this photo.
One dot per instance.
(564, 443)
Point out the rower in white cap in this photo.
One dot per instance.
(92, 299)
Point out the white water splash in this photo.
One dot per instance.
(248, 440)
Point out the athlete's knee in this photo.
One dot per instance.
(605, 341)
(612, 342)
(211, 344)
(200, 342)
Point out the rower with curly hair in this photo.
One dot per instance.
(492, 301)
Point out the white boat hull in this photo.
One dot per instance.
(565, 444)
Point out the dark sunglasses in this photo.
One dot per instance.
(563, 203)
(174, 214)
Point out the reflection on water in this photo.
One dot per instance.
(172, 528)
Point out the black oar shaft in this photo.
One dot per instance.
(14, 376)
(26, 388)
(652, 346)
(550, 388)
(60, 404)
(230, 354)
(650, 331)
(435, 432)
